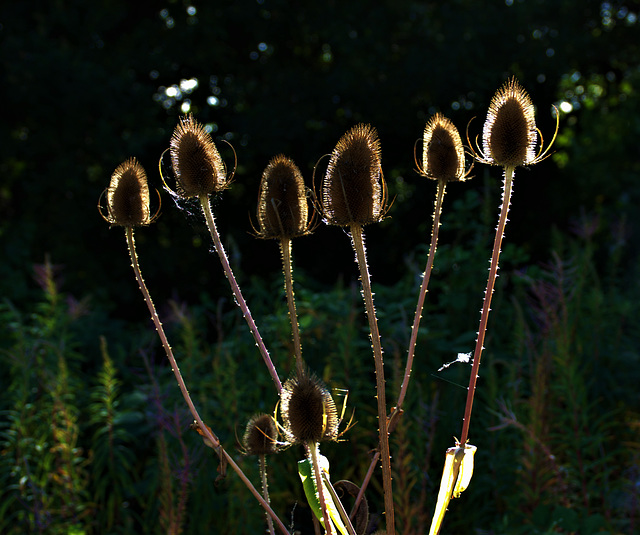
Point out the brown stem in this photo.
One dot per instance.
(287, 270)
(262, 461)
(423, 292)
(237, 293)
(361, 257)
(183, 387)
(493, 271)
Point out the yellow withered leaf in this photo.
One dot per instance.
(458, 469)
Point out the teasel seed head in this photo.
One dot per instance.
(353, 189)
(308, 410)
(260, 436)
(442, 151)
(128, 196)
(196, 162)
(283, 209)
(509, 135)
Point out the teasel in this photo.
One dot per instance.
(309, 417)
(200, 172)
(443, 160)
(283, 214)
(509, 138)
(128, 206)
(354, 194)
(260, 439)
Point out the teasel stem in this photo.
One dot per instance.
(357, 237)
(183, 387)
(262, 464)
(493, 272)
(423, 291)
(237, 293)
(312, 448)
(287, 270)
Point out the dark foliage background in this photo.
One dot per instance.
(86, 85)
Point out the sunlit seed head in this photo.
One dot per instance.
(509, 134)
(308, 410)
(353, 188)
(128, 196)
(260, 436)
(283, 210)
(196, 162)
(443, 153)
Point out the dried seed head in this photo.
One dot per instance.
(283, 211)
(308, 410)
(128, 196)
(353, 190)
(260, 436)
(196, 162)
(509, 135)
(443, 153)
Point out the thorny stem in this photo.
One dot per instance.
(237, 293)
(287, 270)
(313, 453)
(262, 461)
(423, 291)
(493, 272)
(183, 387)
(361, 258)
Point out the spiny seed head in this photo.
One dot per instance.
(443, 153)
(308, 410)
(128, 196)
(283, 211)
(260, 436)
(196, 162)
(353, 189)
(509, 135)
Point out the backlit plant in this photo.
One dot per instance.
(352, 193)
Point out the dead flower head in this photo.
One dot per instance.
(196, 162)
(510, 134)
(442, 151)
(128, 196)
(353, 189)
(309, 413)
(260, 436)
(283, 209)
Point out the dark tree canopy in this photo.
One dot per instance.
(86, 85)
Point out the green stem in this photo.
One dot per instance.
(361, 258)
(237, 293)
(486, 307)
(183, 387)
(287, 270)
